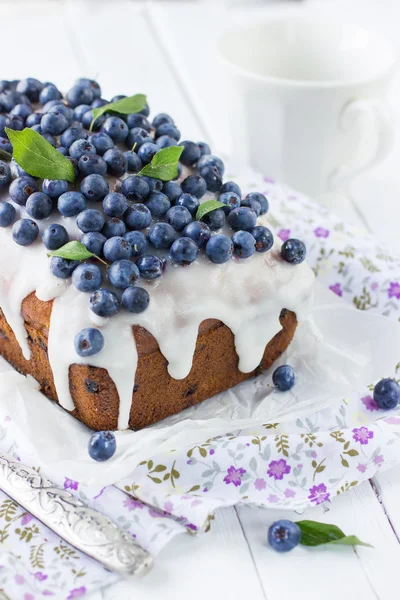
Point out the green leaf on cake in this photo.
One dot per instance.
(74, 251)
(164, 164)
(314, 533)
(38, 157)
(125, 106)
(208, 207)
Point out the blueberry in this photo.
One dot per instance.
(135, 188)
(49, 138)
(116, 128)
(39, 206)
(158, 204)
(219, 248)
(81, 147)
(17, 170)
(136, 137)
(264, 238)
(184, 251)
(87, 119)
(5, 174)
(284, 535)
(30, 87)
(191, 153)
(137, 217)
(155, 185)
(215, 219)
(199, 232)
(102, 142)
(242, 218)
(7, 214)
(22, 110)
(6, 145)
(114, 204)
(172, 189)
(53, 123)
(209, 160)
(134, 164)
(102, 445)
(21, 188)
(98, 102)
(104, 303)
(123, 273)
(387, 394)
(113, 227)
(62, 267)
(90, 220)
(116, 248)
(71, 135)
(55, 104)
(145, 111)
(55, 236)
(166, 141)
(160, 119)
(91, 84)
(138, 242)
(62, 150)
(71, 203)
(179, 173)
(8, 99)
(79, 95)
(135, 299)
(204, 149)
(257, 197)
(15, 122)
(54, 187)
(190, 202)
(88, 342)
(178, 217)
(80, 110)
(137, 120)
(117, 98)
(50, 92)
(87, 277)
(284, 378)
(168, 129)
(253, 204)
(94, 187)
(92, 164)
(195, 185)
(244, 244)
(94, 242)
(150, 267)
(162, 235)
(147, 151)
(230, 199)
(4, 85)
(116, 162)
(212, 177)
(64, 110)
(74, 163)
(293, 251)
(33, 119)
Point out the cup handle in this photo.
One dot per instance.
(373, 116)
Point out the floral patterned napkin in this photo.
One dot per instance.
(292, 462)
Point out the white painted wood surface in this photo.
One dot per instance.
(166, 49)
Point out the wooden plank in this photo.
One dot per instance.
(387, 488)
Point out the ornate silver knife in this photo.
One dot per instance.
(84, 528)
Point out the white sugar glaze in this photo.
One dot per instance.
(247, 295)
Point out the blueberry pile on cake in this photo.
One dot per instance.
(135, 281)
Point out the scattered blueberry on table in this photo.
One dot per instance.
(284, 378)
(102, 445)
(387, 394)
(284, 535)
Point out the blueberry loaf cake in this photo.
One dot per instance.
(134, 281)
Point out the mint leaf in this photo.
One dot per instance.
(207, 207)
(164, 164)
(314, 533)
(5, 155)
(38, 157)
(126, 106)
(74, 251)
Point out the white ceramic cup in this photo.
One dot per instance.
(308, 100)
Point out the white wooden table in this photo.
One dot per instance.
(166, 50)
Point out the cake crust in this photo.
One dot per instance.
(156, 394)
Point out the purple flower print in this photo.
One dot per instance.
(70, 484)
(278, 468)
(284, 234)
(393, 420)
(269, 180)
(289, 493)
(39, 576)
(394, 290)
(29, 597)
(132, 504)
(99, 494)
(314, 454)
(321, 232)
(272, 499)
(362, 435)
(300, 466)
(318, 494)
(191, 526)
(378, 460)
(234, 476)
(27, 518)
(260, 484)
(155, 514)
(374, 286)
(168, 507)
(336, 289)
(47, 593)
(212, 452)
(77, 593)
(19, 579)
(362, 468)
(369, 403)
